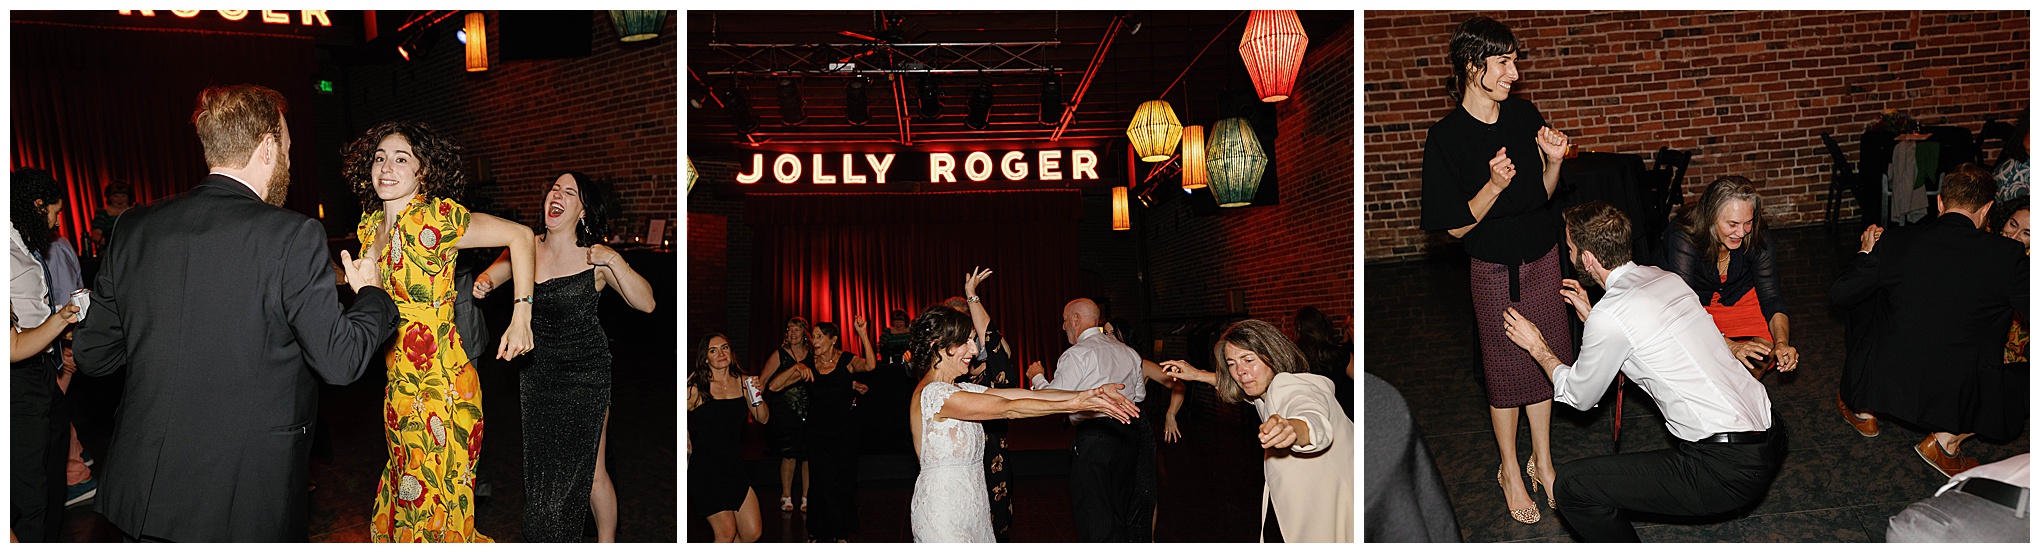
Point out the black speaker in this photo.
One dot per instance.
(535, 35)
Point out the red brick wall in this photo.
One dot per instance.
(1296, 253)
(612, 114)
(1748, 93)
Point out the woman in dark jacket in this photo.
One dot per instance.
(1721, 247)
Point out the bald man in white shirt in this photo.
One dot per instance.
(1101, 475)
(1650, 327)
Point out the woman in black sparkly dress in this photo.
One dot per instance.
(565, 392)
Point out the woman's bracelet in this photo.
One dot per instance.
(525, 299)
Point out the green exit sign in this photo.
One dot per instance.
(325, 86)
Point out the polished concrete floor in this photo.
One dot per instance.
(347, 458)
(1835, 486)
(1209, 484)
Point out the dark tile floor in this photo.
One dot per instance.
(1836, 486)
(348, 459)
(1210, 486)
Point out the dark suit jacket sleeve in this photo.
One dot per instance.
(338, 345)
(1770, 291)
(1857, 283)
(2021, 291)
(100, 341)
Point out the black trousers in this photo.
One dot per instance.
(1690, 479)
(39, 441)
(1101, 480)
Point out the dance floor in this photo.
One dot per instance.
(1836, 486)
(1210, 487)
(348, 461)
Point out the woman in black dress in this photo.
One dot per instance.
(718, 393)
(564, 394)
(831, 437)
(1490, 168)
(788, 397)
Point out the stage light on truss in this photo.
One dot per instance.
(792, 110)
(738, 103)
(980, 115)
(930, 91)
(1051, 99)
(857, 101)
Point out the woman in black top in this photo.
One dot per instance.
(831, 437)
(1722, 248)
(717, 401)
(788, 397)
(1490, 168)
(1329, 355)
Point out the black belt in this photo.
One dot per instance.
(1997, 492)
(1755, 437)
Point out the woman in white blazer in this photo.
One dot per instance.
(1306, 440)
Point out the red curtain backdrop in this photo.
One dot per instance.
(834, 257)
(95, 104)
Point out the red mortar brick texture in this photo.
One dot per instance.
(1285, 256)
(613, 114)
(1748, 93)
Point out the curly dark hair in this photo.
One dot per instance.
(593, 228)
(1476, 39)
(936, 330)
(32, 185)
(439, 175)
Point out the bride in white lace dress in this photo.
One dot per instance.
(949, 503)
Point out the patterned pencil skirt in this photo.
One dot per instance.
(1512, 378)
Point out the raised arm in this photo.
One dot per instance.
(980, 320)
(610, 265)
(863, 363)
(1552, 144)
(488, 231)
(1182, 370)
(792, 375)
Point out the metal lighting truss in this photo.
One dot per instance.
(865, 58)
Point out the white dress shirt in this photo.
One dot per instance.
(1096, 360)
(28, 295)
(1651, 327)
(251, 187)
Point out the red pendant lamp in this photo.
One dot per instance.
(1273, 49)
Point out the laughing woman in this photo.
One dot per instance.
(1490, 168)
(407, 175)
(565, 392)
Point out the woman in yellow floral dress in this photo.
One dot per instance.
(406, 174)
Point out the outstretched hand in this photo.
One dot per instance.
(1181, 369)
(1107, 399)
(1277, 433)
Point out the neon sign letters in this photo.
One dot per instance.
(310, 18)
(1050, 165)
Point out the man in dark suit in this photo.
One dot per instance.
(218, 302)
(1937, 360)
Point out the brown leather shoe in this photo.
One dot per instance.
(1941, 460)
(1868, 428)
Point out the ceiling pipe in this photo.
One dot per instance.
(1200, 55)
(1097, 59)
